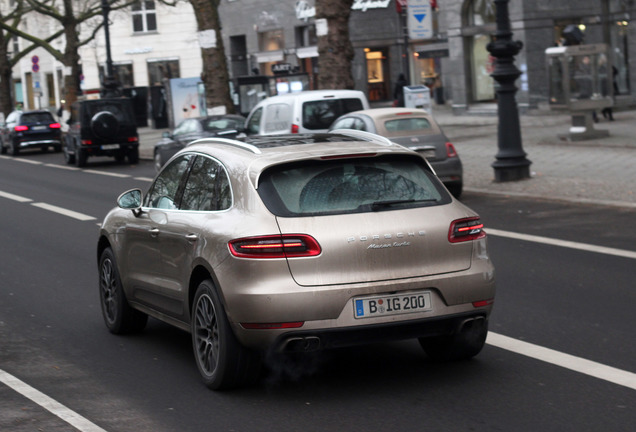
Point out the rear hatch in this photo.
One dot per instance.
(39, 126)
(374, 218)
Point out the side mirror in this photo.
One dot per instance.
(131, 200)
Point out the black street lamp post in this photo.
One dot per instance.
(109, 85)
(511, 163)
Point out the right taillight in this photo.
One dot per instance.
(450, 150)
(295, 128)
(275, 246)
(467, 229)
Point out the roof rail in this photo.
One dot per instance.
(229, 142)
(364, 135)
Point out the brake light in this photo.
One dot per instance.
(133, 139)
(270, 326)
(275, 246)
(347, 156)
(295, 128)
(55, 126)
(450, 150)
(87, 142)
(21, 128)
(483, 303)
(404, 113)
(467, 229)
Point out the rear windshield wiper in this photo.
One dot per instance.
(379, 205)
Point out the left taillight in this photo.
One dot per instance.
(21, 128)
(55, 126)
(275, 246)
(450, 150)
(467, 229)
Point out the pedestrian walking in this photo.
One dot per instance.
(398, 93)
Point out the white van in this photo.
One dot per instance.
(304, 112)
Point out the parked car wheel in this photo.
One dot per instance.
(14, 150)
(68, 157)
(80, 158)
(463, 345)
(133, 156)
(222, 361)
(3, 149)
(119, 317)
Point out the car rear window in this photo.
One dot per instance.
(39, 117)
(278, 117)
(320, 114)
(352, 185)
(407, 124)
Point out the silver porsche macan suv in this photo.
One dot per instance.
(296, 243)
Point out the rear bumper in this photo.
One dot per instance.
(38, 143)
(449, 171)
(308, 341)
(107, 150)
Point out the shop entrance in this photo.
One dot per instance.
(377, 74)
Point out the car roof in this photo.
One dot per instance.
(314, 95)
(256, 154)
(380, 115)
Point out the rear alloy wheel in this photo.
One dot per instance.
(119, 317)
(222, 361)
(463, 345)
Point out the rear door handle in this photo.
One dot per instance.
(154, 232)
(192, 237)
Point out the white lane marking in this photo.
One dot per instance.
(563, 243)
(17, 198)
(577, 364)
(53, 406)
(106, 173)
(29, 161)
(64, 167)
(146, 179)
(63, 211)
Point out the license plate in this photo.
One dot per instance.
(368, 307)
(110, 146)
(38, 128)
(429, 154)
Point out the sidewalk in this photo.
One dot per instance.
(601, 171)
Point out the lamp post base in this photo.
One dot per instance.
(506, 171)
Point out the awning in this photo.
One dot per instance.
(269, 56)
(305, 52)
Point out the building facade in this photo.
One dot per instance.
(277, 39)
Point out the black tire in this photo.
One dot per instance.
(462, 345)
(456, 189)
(133, 156)
(80, 158)
(104, 124)
(14, 150)
(69, 158)
(222, 361)
(3, 149)
(57, 148)
(119, 317)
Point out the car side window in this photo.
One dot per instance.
(164, 191)
(207, 188)
(254, 123)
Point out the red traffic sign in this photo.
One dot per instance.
(35, 67)
(35, 59)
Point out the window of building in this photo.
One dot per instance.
(272, 40)
(479, 25)
(123, 73)
(160, 69)
(306, 36)
(377, 79)
(144, 16)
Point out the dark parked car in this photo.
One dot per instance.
(415, 129)
(224, 126)
(30, 129)
(102, 127)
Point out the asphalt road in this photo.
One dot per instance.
(55, 351)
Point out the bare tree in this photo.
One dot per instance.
(335, 51)
(8, 59)
(215, 74)
(70, 14)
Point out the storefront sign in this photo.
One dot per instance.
(420, 20)
(364, 5)
(304, 11)
(281, 68)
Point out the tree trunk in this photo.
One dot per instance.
(215, 75)
(71, 59)
(335, 51)
(6, 79)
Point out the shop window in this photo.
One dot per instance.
(158, 70)
(479, 21)
(376, 74)
(144, 16)
(271, 40)
(306, 36)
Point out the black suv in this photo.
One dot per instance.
(102, 127)
(30, 129)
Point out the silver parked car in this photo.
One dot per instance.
(296, 243)
(415, 129)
